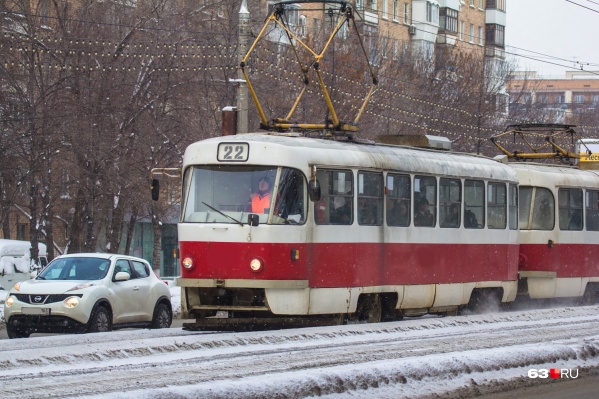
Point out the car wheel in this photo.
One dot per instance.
(100, 320)
(163, 316)
(16, 332)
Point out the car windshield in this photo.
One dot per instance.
(227, 194)
(83, 268)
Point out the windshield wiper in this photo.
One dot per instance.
(224, 214)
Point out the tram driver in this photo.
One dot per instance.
(260, 201)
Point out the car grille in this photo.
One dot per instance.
(43, 299)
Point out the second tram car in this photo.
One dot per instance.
(343, 230)
(559, 231)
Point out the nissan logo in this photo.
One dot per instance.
(37, 298)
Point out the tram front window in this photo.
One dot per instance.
(227, 194)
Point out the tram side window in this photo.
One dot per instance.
(496, 206)
(370, 198)
(398, 200)
(570, 208)
(290, 205)
(474, 204)
(592, 210)
(536, 209)
(450, 202)
(513, 207)
(543, 215)
(336, 204)
(425, 201)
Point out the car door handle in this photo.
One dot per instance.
(136, 288)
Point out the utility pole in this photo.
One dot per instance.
(242, 87)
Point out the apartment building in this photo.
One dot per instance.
(577, 91)
(425, 24)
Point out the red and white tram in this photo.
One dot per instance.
(559, 231)
(394, 231)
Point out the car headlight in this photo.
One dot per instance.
(81, 286)
(71, 302)
(9, 301)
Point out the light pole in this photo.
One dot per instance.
(242, 88)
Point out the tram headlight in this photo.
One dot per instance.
(256, 265)
(187, 263)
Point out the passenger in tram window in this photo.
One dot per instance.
(397, 213)
(341, 212)
(260, 201)
(575, 222)
(366, 212)
(470, 220)
(452, 219)
(424, 217)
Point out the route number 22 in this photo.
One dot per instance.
(233, 152)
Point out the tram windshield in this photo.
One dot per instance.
(229, 193)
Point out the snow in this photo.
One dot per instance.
(451, 357)
(8, 264)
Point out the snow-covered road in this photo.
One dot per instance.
(451, 356)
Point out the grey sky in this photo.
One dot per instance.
(556, 28)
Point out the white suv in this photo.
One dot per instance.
(88, 293)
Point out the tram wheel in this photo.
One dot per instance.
(370, 308)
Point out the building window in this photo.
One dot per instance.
(384, 44)
(384, 10)
(22, 232)
(542, 98)
(496, 35)
(394, 50)
(302, 26)
(372, 5)
(481, 6)
(472, 3)
(560, 99)
(462, 27)
(496, 5)
(432, 13)
(395, 9)
(595, 99)
(448, 19)
(480, 35)
(471, 39)
(406, 13)
(579, 99)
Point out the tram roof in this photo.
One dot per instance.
(554, 175)
(302, 152)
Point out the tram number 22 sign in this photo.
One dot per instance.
(233, 152)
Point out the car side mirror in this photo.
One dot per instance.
(122, 276)
(314, 190)
(155, 187)
(253, 219)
